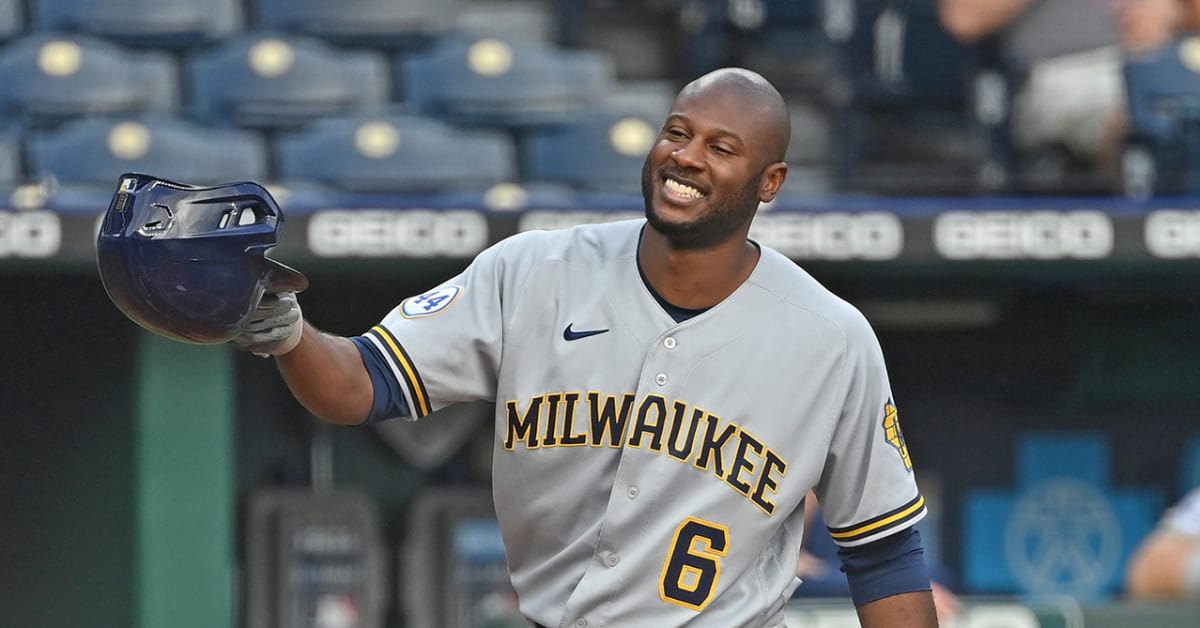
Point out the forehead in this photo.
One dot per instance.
(725, 109)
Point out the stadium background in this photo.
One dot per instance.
(1039, 331)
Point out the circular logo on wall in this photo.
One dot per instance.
(1063, 537)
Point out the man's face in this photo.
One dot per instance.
(703, 178)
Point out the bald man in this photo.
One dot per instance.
(666, 391)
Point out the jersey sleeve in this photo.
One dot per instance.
(443, 346)
(389, 401)
(867, 489)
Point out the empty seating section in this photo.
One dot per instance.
(96, 150)
(397, 153)
(360, 94)
(271, 80)
(46, 78)
(498, 81)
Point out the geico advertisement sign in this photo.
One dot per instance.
(1083, 234)
(33, 234)
(397, 233)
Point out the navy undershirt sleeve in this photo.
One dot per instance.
(389, 400)
(889, 566)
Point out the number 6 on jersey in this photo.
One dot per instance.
(693, 565)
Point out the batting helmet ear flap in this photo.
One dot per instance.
(190, 262)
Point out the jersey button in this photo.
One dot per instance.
(631, 492)
(669, 343)
(581, 623)
(661, 379)
(612, 560)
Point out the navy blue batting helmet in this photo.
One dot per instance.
(189, 262)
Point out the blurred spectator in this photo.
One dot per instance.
(1167, 562)
(819, 566)
(1068, 55)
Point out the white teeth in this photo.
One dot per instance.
(683, 190)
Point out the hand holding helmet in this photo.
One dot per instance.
(274, 328)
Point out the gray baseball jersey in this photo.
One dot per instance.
(649, 472)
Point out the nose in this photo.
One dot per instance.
(688, 156)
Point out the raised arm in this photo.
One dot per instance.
(326, 375)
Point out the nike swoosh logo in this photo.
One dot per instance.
(570, 334)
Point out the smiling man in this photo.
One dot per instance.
(667, 392)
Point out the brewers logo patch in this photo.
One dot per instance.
(891, 431)
(430, 303)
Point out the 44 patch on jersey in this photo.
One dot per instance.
(431, 302)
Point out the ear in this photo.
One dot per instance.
(772, 180)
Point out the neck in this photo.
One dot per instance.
(696, 278)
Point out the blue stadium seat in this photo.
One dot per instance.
(376, 23)
(1162, 153)
(46, 78)
(282, 81)
(395, 153)
(97, 150)
(602, 150)
(496, 81)
(160, 23)
(12, 19)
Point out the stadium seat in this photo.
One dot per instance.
(375, 23)
(395, 153)
(12, 19)
(282, 81)
(161, 23)
(46, 78)
(496, 81)
(97, 150)
(603, 149)
(1162, 146)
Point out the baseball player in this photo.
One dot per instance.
(666, 390)
(1166, 564)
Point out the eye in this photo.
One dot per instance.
(721, 149)
(674, 132)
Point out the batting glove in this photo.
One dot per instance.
(274, 328)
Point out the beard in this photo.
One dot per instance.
(725, 218)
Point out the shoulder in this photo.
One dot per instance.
(809, 299)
